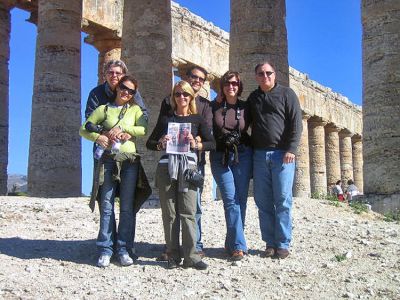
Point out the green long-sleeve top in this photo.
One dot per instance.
(132, 122)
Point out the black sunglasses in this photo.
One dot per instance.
(231, 83)
(262, 74)
(184, 94)
(194, 77)
(125, 88)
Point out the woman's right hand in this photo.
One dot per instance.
(103, 141)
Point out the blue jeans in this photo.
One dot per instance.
(273, 182)
(233, 182)
(199, 243)
(127, 219)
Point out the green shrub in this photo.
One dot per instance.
(392, 216)
(358, 207)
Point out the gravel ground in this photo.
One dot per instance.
(47, 251)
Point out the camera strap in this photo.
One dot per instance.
(120, 116)
(238, 115)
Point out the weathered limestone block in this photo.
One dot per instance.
(55, 147)
(381, 90)
(257, 33)
(197, 41)
(301, 187)
(332, 154)
(109, 49)
(5, 28)
(316, 140)
(147, 49)
(358, 162)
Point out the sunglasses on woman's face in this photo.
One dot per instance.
(123, 87)
(231, 83)
(184, 94)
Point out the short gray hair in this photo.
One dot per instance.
(115, 63)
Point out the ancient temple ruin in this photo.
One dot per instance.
(157, 37)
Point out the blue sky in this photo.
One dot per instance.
(324, 40)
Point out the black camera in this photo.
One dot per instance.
(231, 138)
(93, 128)
(194, 177)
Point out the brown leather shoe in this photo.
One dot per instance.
(237, 255)
(282, 253)
(270, 251)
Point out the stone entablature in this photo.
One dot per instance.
(318, 100)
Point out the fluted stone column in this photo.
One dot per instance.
(316, 140)
(358, 162)
(258, 33)
(346, 156)
(55, 146)
(381, 109)
(147, 50)
(5, 28)
(332, 155)
(301, 187)
(109, 48)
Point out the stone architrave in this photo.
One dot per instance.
(358, 162)
(346, 156)
(5, 28)
(332, 155)
(301, 187)
(55, 146)
(147, 50)
(316, 140)
(258, 33)
(381, 109)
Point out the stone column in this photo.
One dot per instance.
(55, 147)
(147, 50)
(332, 155)
(301, 187)
(381, 109)
(358, 162)
(316, 140)
(5, 28)
(346, 156)
(109, 48)
(258, 33)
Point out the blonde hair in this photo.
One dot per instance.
(186, 87)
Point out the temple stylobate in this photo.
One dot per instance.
(156, 37)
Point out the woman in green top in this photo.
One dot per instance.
(125, 114)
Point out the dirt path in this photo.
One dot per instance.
(47, 251)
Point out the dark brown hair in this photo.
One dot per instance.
(225, 78)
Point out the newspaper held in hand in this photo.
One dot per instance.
(179, 141)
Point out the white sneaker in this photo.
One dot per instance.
(104, 261)
(125, 260)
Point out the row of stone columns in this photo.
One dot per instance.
(326, 154)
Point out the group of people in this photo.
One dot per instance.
(257, 138)
(351, 191)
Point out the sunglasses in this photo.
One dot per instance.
(195, 77)
(112, 73)
(123, 87)
(231, 83)
(262, 74)
(184, 94)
